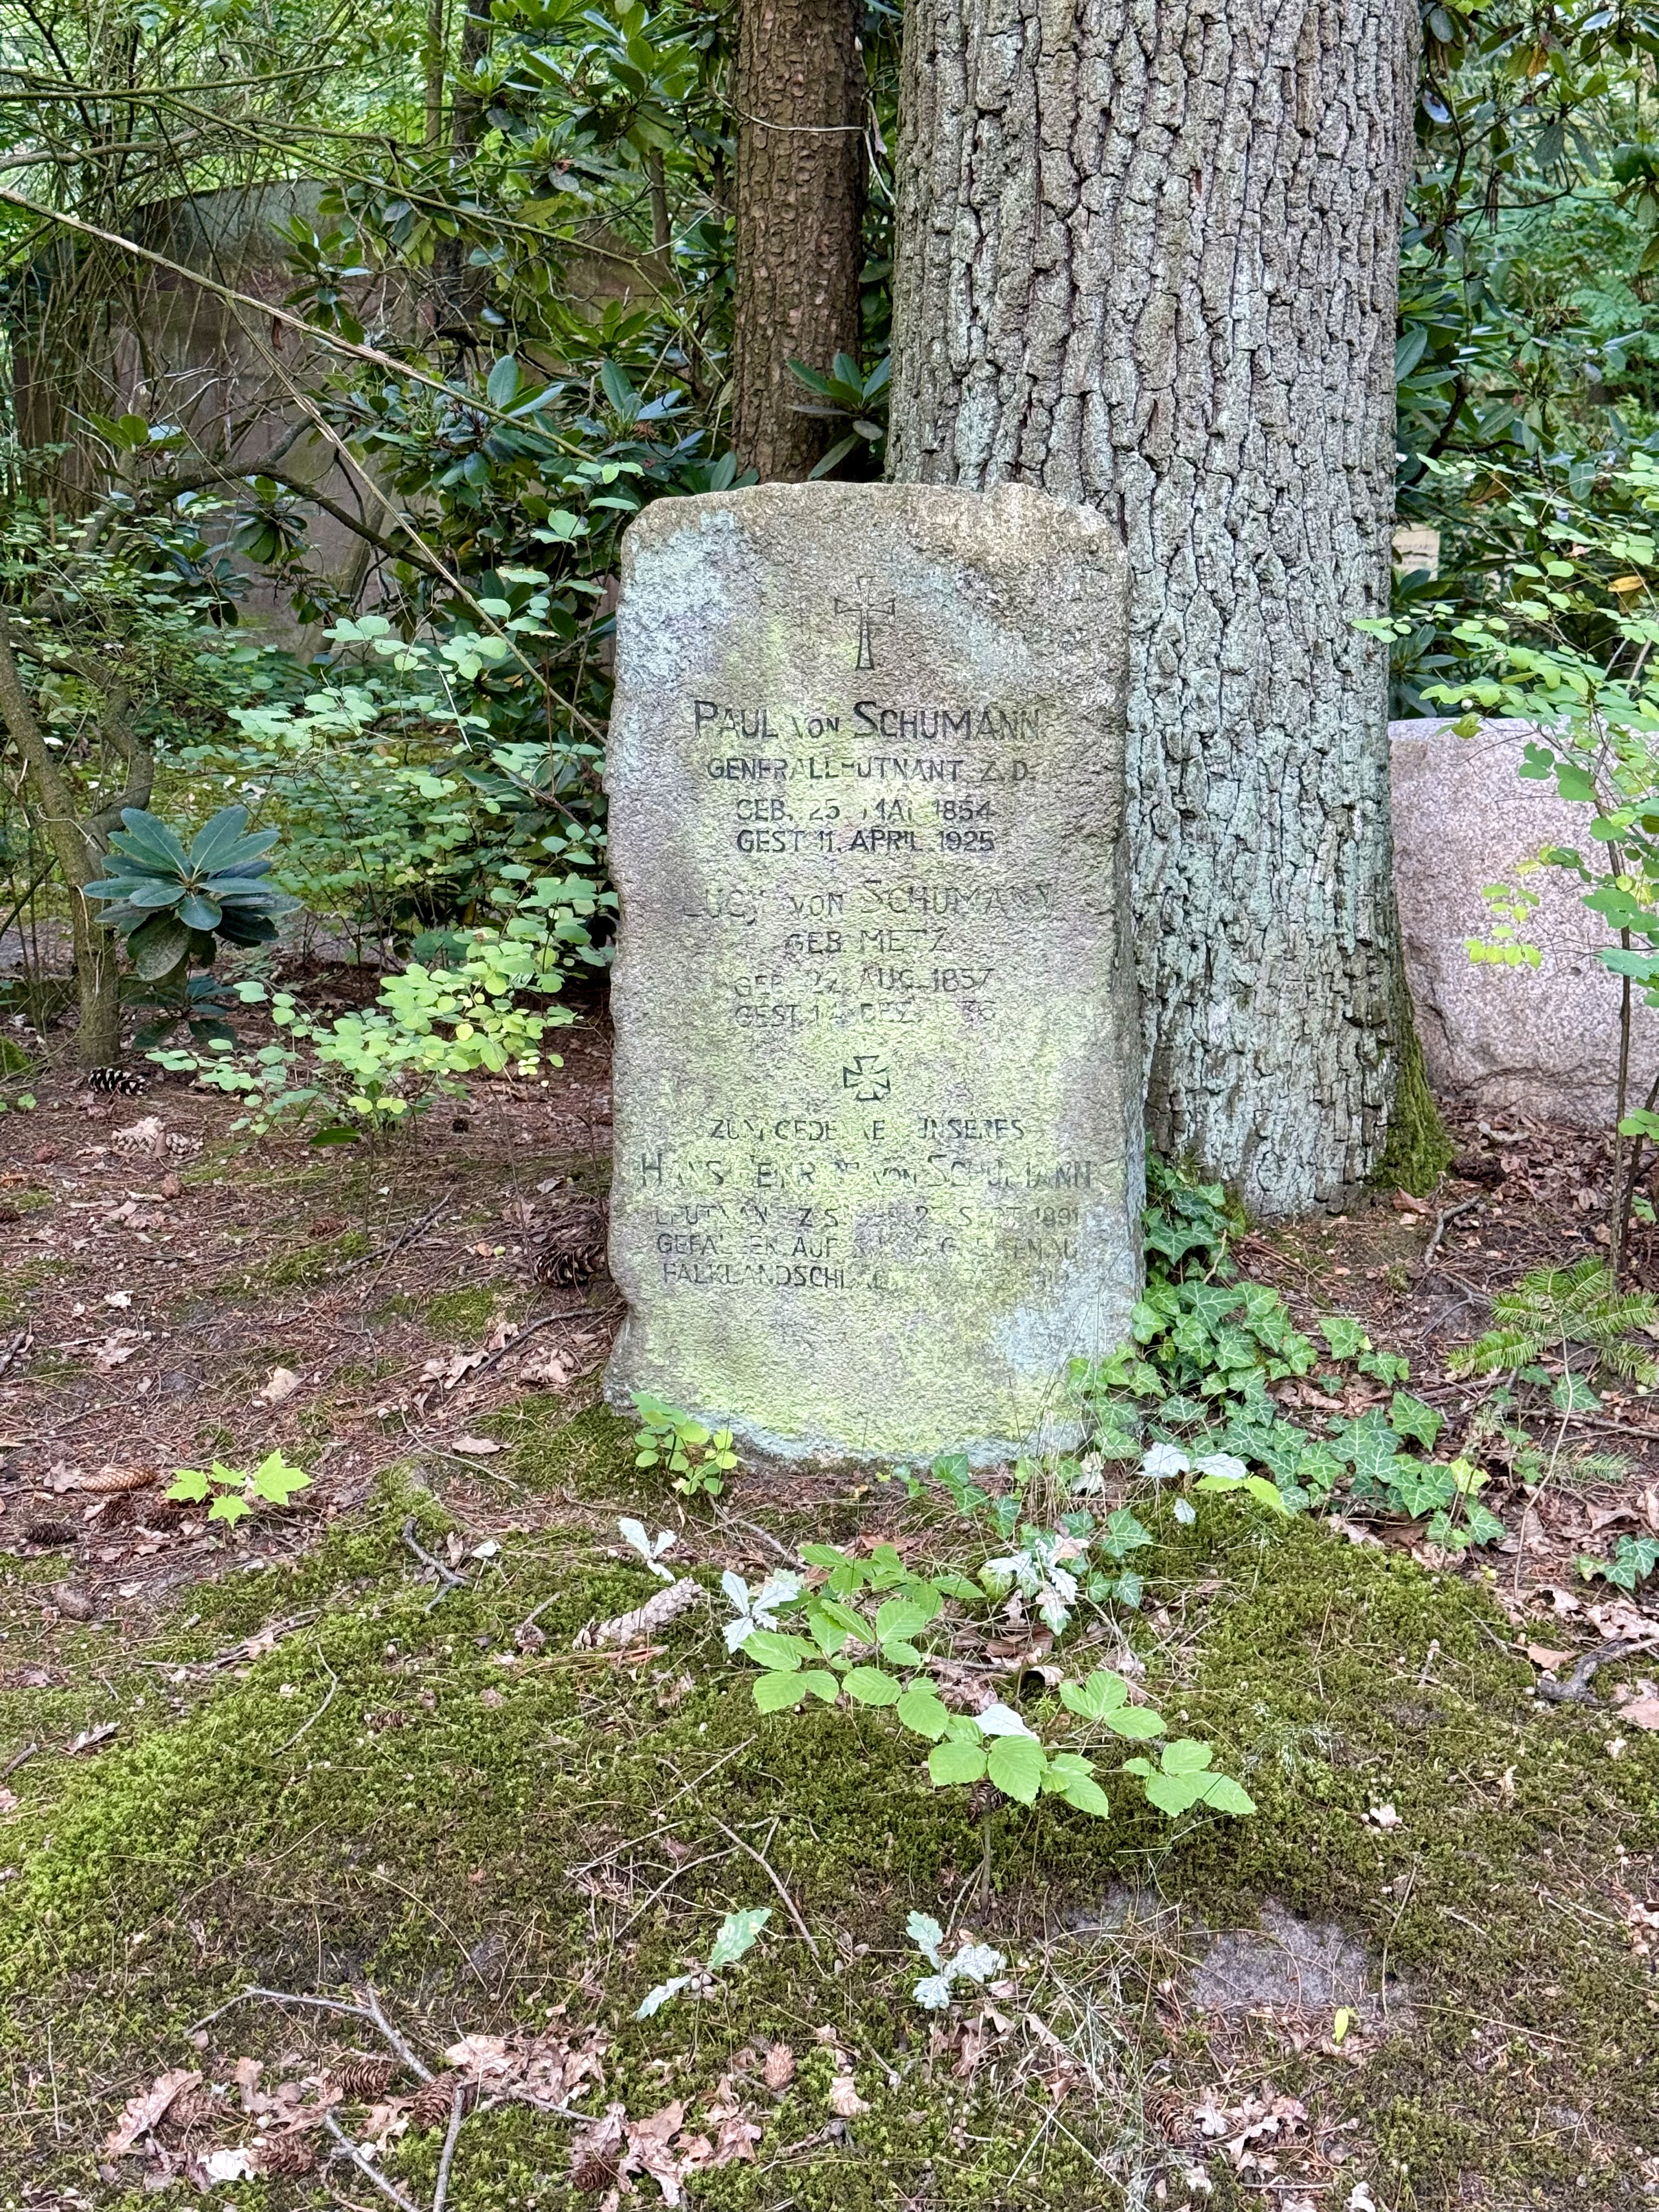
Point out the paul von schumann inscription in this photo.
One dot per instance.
(877, 1072)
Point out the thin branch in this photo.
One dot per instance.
(371, 2012)
(447, 1578)
(330, 340)
(364, 2164)
(766, 1865)
(457, 2114)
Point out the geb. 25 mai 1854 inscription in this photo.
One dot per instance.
(875, 1169)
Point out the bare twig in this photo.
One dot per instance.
(17, 1758)
(765, 1864)
(542, 1321)
(369, 2011)
(457, 2114)
(1446, 1214)
(1576, 1689)
(333, 1685)
(404, 1238)
(447, 1578)
(765, 1535)
(364, 2165)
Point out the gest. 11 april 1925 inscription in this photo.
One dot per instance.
(877, 1170)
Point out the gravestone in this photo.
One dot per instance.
(878, 1154)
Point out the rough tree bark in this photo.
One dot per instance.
(1147, 256)
(79, 845)
(798, 95)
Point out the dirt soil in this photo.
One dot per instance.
(1421, 1979)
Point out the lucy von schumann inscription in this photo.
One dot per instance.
(877, 1163)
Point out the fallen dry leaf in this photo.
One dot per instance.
(140, 2113)
(1541, 1656)
(88, 1737)
(780, 2069)
(1641, 1712)
(282, 1383)
(117, 1298)
(844, 2099)
(1383, 1816)
(10, 1800)
(476, 1447)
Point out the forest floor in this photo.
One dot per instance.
(351, 1745)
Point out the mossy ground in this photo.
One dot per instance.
(392, 1794)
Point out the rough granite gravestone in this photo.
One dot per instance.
(877, 1173)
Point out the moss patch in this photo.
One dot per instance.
(397, 1792)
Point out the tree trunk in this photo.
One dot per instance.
(1147, 258)
(798, 92)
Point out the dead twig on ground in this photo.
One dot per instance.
(447, 1577)
(400, 1242)
(369, 2010)
(1576, 1689)
(457, 2114)
(542, 1321)
(17, 1758)
(1445, 1214)
(765, 1865)
(765, 1535)
(364, 2165)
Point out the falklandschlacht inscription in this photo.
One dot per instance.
(875, 1174)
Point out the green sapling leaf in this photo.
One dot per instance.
(190, 1485)
(868, 1685)
(1015, 1764)
(922, 1712)
(738, 1932)
(953, 1762)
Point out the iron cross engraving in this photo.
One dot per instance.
(871, 614)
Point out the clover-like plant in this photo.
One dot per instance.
(173, 904)
(697, 1456)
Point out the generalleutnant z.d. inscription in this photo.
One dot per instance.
(877, 1168)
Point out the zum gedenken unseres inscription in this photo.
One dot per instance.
(872, 1180)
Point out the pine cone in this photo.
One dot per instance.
(572, 1251)
(290, 2154)
(434, 2101)
(116, 1082)
(593, 2170)
(190, 2109)
(361, 2081)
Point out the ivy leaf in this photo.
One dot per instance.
(1368, 1444)
(1015, 1764)
(1346, 1336)
(1414, 1418)
(953, 1762)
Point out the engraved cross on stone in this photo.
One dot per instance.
(870, 615)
